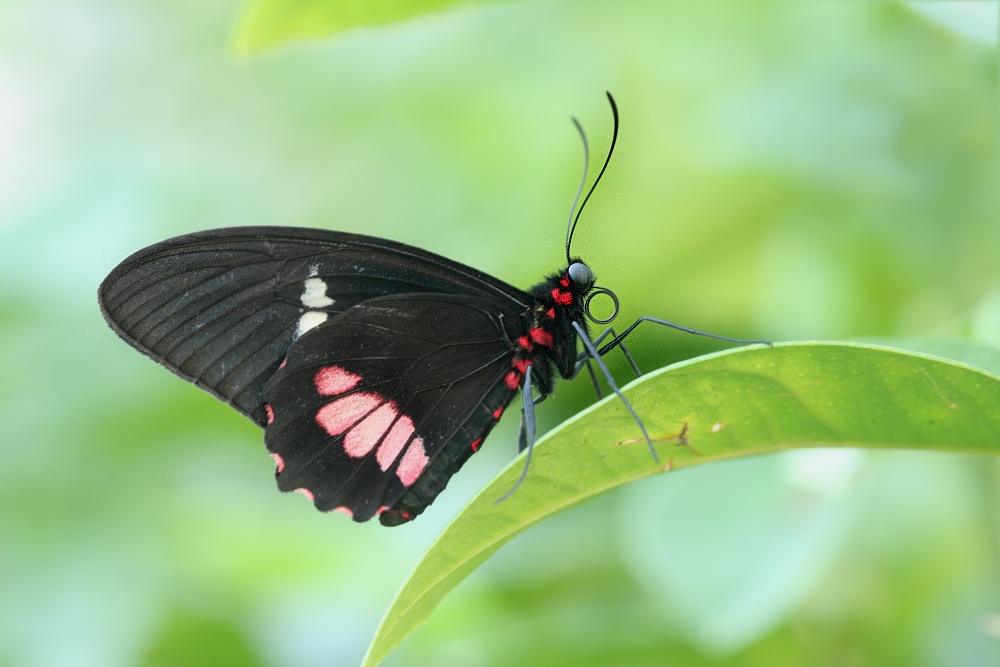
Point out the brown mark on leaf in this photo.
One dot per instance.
(681, 439)
(951, 404)
(799, 390)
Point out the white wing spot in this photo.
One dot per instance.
(313, 270)
(310, 320)
(314, 295)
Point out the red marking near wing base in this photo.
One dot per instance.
(394, 442)
(562, 298)
(305, 492)
(498, 412)
(278, 460)
(363, 437)
(512, 380)
(381, 509)
(334, 380)
(541, 336)
(476, 443)
(344, 510)
(551, 313)
(413, 463)
(522, 365)
(564, 281)
(525, 342)
(337, 416)
(270, 414)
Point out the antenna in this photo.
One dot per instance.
(611, 150)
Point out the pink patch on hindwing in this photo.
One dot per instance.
(476, 443)
(512, 380)
(278, 460)
(413, 463)
(363, 437)
(334, 380)
(270, 414)
(344, 510)
(381, 509)
(498, 412)
(337, 416)
(394, 442)
(305, 492)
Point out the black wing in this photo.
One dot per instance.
(368, 400)
(220, 308)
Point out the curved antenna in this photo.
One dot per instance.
(614, 138)
(579, 190)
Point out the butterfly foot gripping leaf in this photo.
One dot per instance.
(376, 368)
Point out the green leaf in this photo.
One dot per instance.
(267, 23)
(733, 403)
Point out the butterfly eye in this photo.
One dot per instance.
(581, 276)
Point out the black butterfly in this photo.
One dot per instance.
(375, 368)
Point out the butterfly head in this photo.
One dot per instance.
(581, 276)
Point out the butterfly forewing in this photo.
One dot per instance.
(221, 308)
(368, 399)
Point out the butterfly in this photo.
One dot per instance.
(376, 369)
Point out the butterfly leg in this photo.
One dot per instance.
(584, 358)
(526, 438)
(617, 340)
(595, 355)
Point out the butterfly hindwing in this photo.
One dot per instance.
(368, 399)
(221, 308)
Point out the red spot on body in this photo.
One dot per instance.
(512, 380)
(413, 462)
(278, 460)
(522, 365)
(334, 380)
(363, 437)
(476, 443)
(337, 416)
(564, 281)
(541, 336)
(344, 510)
(305, 492)
(498, 412)
(394, 442)
(270, 414)
(525, 342)
(551, 313)
(562, 298)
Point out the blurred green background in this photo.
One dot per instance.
(789, 170)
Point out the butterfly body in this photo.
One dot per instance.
(376, 369)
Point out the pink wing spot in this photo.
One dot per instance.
(270, 414)
(344, 510)
(305, 492)
(334, 380)
(337, 416)
(541, 336)
(364, 436)
(498, 412)
(476, 443)
(525, 342)
(551, 313)
(381, 509)
(413, 463)
(283, 362)
(512, 380)
(394, 442)
(278, 460)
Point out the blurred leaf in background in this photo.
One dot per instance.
(786, 170)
